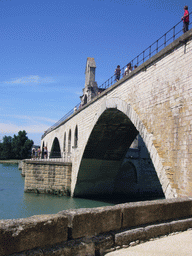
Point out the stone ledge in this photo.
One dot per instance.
(98, 228)
(42, 162)
(37, 231)
(101, 244)
(89, 222)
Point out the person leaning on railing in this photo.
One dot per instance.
(185, 19)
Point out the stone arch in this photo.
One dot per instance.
(55, 149)
(125, 108)
(112, 135)
(76, 137)
(147, 137)
(69, 141)
(64, 143)
(105, 149)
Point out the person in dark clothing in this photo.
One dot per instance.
(117, 73)
(185, 19)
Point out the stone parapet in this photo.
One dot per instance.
(93, 231)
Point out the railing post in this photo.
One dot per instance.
(157, 47)
(122, 72)
(143, 56)
(165, 40)
(150, 51)
(173, 33)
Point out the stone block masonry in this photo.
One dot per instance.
(156, 98)
(94, 231)
(47, 177)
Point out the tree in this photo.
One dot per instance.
(21, 145)
(6, 148)
(18, 147)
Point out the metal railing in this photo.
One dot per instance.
(52, 156)
(153, 49)
(78, 106)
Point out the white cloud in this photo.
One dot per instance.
(31, 118)
(31, 80)
(12, 128)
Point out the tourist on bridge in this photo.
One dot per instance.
(33, 153)
(45, 152)
(128, 69)
(117, 73)
(185, 19)
(39, 152)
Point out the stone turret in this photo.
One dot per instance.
(91, 88)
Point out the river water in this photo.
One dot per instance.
(14, 203)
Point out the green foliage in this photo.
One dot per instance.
(6, 148)
(18, 147)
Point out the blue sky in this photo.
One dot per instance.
(45, 43)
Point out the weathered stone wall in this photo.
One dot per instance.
(47, 177)
(157, 98)
(93, 231)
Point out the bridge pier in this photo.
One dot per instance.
(49, 177)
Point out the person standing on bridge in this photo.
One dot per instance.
(117, 73)
(185, 19)
(128, 69)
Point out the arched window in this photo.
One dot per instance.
(76, 137)
(64, 143)
(55, 150)
(69, 142)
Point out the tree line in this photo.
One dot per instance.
(18, 147)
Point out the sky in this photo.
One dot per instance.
(44, 46)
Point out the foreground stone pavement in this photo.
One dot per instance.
(174, 244)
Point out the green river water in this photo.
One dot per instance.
(14, 203)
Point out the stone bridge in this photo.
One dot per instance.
(154, 101)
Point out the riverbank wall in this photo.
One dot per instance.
(49, 177)
(94, 231)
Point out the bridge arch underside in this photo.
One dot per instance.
(109, 167)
